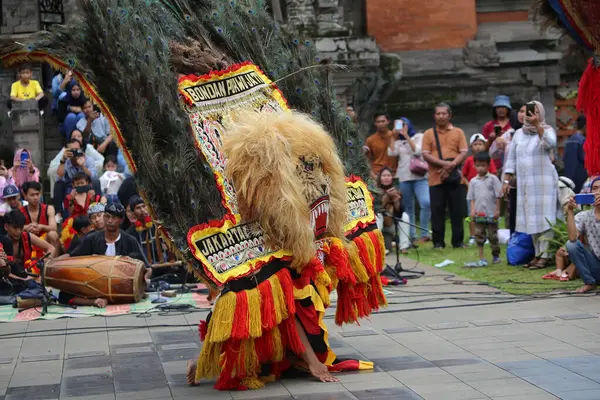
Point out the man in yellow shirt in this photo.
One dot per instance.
(27, 89)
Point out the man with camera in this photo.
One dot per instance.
(73, 161)
(587, 223)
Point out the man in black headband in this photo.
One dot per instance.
(112, 241)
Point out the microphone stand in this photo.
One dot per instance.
(46, 297)
(398, 267)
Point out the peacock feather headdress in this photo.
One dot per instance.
(129, 54)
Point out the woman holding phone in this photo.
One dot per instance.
(412, 174)
(537, 180)
(23, 169)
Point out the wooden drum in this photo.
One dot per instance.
(117, 279)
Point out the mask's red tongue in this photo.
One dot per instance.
(319, 212)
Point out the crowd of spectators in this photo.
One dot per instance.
(511, 170)
(86, 210)
(94, 207)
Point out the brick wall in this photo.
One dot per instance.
(502, 16)
(400, 25)
(20, 16)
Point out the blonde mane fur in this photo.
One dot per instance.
(263, 153)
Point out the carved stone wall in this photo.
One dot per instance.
(19, 16)
(338, 28)
(71, 10)
(510, 58)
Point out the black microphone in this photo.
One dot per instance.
(399, 219)
(36, 263)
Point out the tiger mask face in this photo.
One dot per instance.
(289, 178)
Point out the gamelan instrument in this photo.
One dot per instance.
(117, 279)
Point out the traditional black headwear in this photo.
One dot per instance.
(134, 201)
(116, 210)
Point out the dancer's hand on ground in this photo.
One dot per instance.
(321, 372)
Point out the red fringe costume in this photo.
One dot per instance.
(251, 329)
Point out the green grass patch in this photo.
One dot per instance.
(514, 280)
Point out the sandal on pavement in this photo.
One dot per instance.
(551, 276)
(532, 262)
(540, 264)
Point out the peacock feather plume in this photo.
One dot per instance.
(133, 52)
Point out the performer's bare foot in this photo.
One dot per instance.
(100, 303)
(191, 373)
(586, 288)
(320, 371)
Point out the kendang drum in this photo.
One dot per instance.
(117, 279)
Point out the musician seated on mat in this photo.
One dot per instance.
(9, 200)
(7, 286)
(22, 247)
(96, 216)
(112, 241)
(144, 231)
(83, 226)
(39, 217)
(71, 299)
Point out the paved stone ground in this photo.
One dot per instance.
(437, 340)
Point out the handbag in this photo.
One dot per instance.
(455, 177)
(417, 166)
